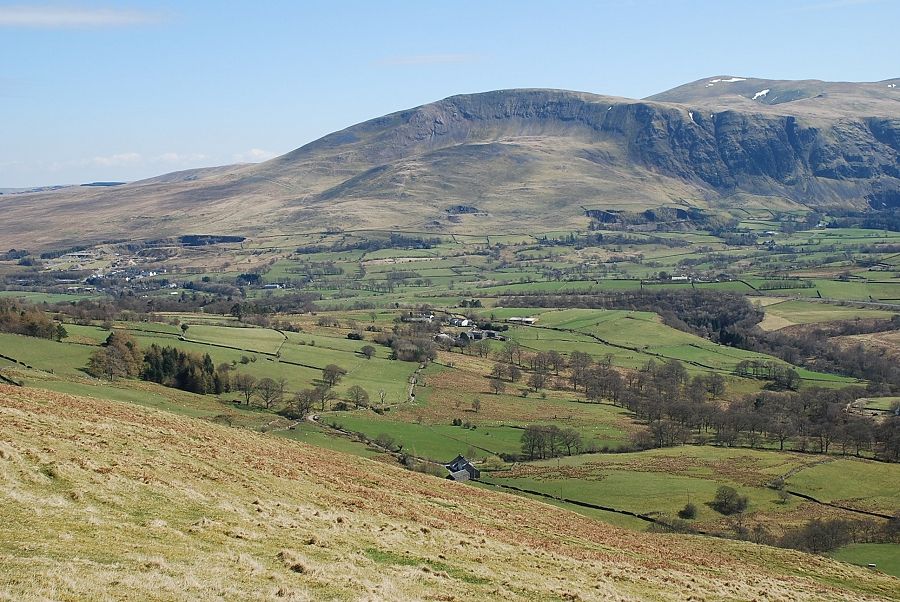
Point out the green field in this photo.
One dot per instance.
(46, 355)
(853, 483)
(440, 443)
(658, 481)
(634, 338)
(880, 403)
(261, 340)
(886, 556)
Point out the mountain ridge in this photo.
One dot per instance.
(524, 155)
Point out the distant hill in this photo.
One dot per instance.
(107, 500)
(523, 160)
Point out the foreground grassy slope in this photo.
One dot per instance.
(109, 500)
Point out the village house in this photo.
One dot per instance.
(461, 469)
(476, 334)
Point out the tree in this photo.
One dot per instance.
(715, 384)
(579, 362)
(499, 370)
(498, 386)
(270, 392)
(514, 373)
(332, 374)
(358, 396)
(368, 351)
(482, 348)
(511, 353)
(537, 380)
(184, 329)
(476, 405)
(325, 394)
(304, 401)
(118, 357)
(729, 501)
(246, 384)
(571, 440)
(556, 360)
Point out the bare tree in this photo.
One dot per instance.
(246, 384)
(304, 401)
(270, 392)
(324, 394)
(332, 374)
(358, 396)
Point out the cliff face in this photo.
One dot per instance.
(815, 161)
(522, 157)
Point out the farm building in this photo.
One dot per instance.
(520, 320)
(463, 322)
(461, 469)
(476, 334)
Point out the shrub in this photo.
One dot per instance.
(689, 512)
(386, 441)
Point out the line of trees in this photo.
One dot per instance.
(184, 370)
(730, 319)
(550, 441)
(680, 410)
(30, 321)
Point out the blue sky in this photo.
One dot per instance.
(120, 91)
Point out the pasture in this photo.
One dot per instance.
(886, 556)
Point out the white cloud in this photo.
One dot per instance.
(55, 17)
(179, 158)
(427, 59)
(117, 160)
(254, 155)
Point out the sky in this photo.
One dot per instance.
(119, 91)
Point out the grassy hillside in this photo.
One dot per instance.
(109, 500)
(528, 157)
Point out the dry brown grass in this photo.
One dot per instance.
(102, 500)
(888, 341)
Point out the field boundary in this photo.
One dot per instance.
(582, 504)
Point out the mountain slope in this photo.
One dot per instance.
(108, 500)
(524, 157)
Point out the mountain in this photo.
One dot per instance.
(108, 500)
(524, 159)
